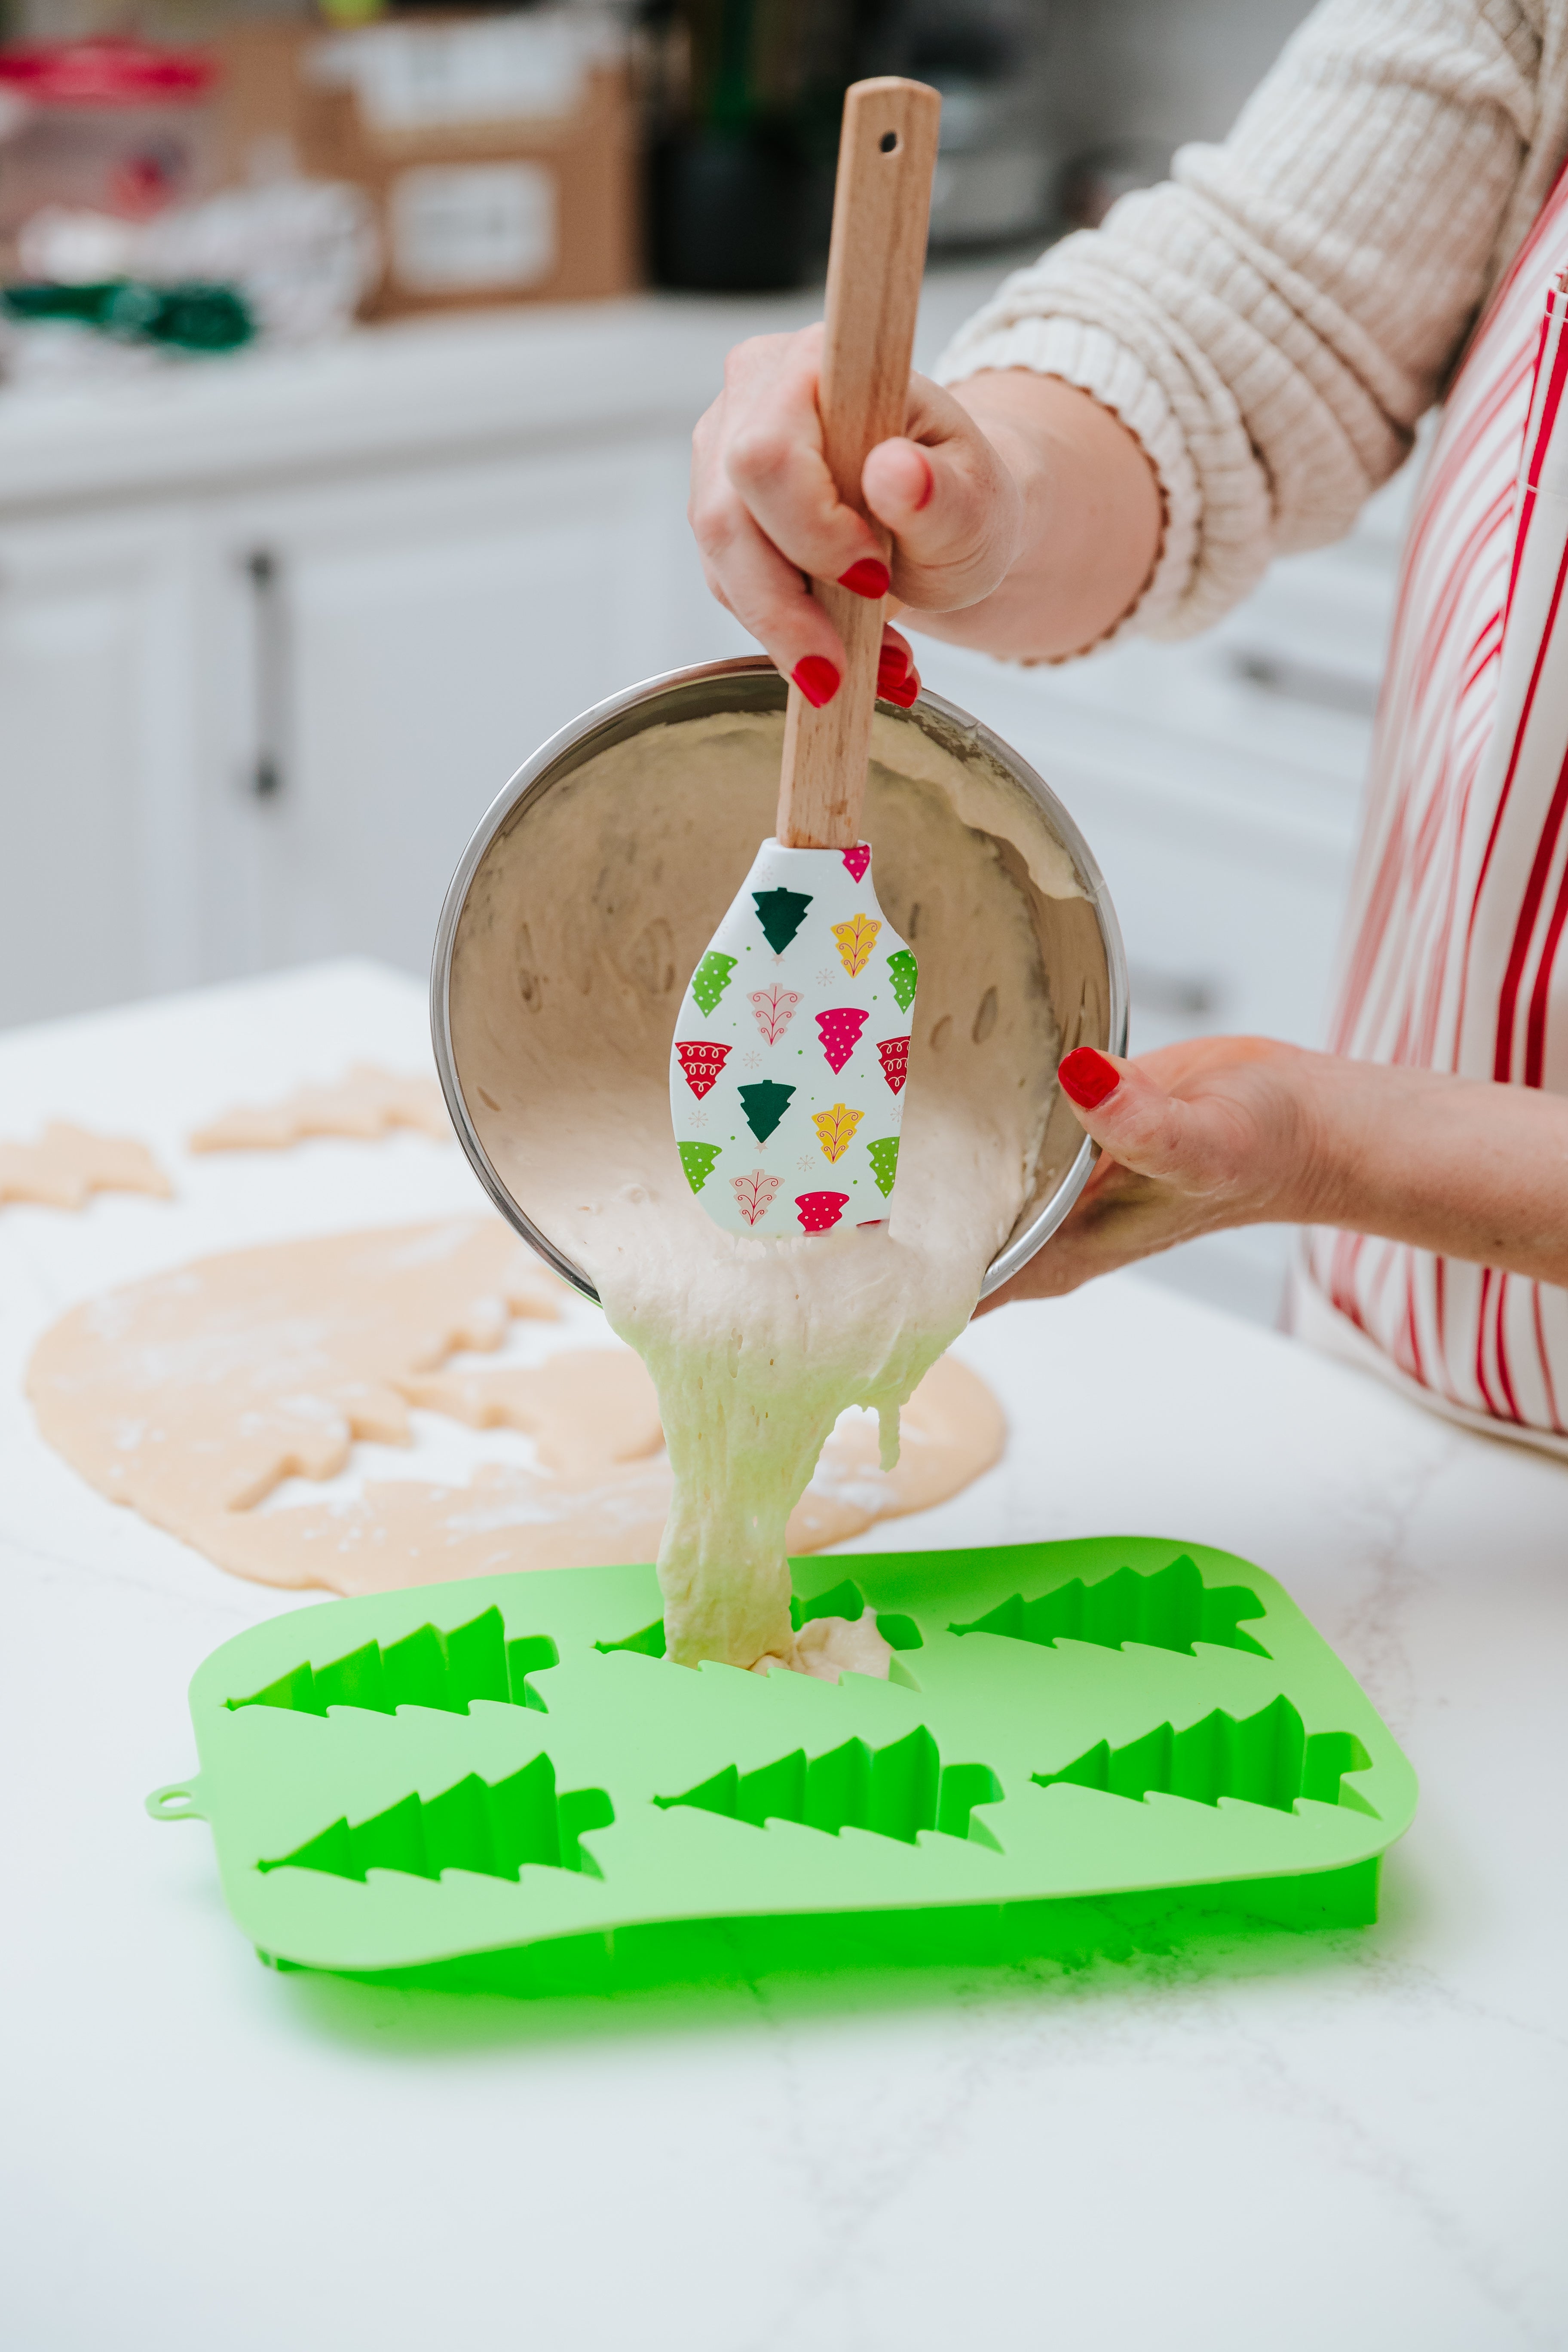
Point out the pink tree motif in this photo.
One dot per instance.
(840, 1031)
(774, 1010)
(755, 1194)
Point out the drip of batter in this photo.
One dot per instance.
(581, 930)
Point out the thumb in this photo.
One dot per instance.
(1140, 1126)
(951, 504)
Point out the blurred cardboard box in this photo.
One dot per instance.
(501, 153)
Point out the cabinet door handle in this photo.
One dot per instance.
(1184, 995)
(1322, 688)
(269, 644)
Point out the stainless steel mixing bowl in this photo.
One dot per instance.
(1079, 941)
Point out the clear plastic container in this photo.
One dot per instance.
(109, 126)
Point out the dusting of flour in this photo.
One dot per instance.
(581, 930)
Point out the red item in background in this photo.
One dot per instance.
(107, 73)
(1088, 1077)
(109, 126)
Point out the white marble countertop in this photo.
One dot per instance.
(1352, 2139)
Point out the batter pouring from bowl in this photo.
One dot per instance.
(579, 927)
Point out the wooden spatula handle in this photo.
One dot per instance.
(881, 208)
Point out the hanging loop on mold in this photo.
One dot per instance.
(176, 1802)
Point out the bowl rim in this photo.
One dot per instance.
(537, 772)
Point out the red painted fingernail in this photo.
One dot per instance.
(1087, 1078)
(925, 497)
(892, 661)
(816, 679)
(868, 577)
(904, 691)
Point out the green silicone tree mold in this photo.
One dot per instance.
(502, 1782)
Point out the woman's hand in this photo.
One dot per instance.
(1023, 517)
(1218, 1132)
(1243, 1130)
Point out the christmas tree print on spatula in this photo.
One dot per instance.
(711, 978)
(791, 1050)
(764, 1105)
(840, 1033)
(698, 1159)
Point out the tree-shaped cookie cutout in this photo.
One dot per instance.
(856, 860)
(755, 1194)
(711, 978)
(781, 914)
(702, 1063)
(836, 1129)
(904, 973)
(772, 1009)
(764, 1105)
(819, 1212)
(855, 938)
(840, 1029)
(698, 1159)
(895, 1053)
(884, 1157)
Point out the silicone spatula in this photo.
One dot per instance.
(787, 1070)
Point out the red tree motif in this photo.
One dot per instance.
(895, 1053)
(701, 1065)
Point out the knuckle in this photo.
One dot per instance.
(759, 455)
(710, 524)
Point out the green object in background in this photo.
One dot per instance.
(193, 318)
(500, 1782)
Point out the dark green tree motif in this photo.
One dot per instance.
(764, 1105)
(781, 914)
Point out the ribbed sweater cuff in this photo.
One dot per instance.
(1097, 363)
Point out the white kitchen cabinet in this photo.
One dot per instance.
(407, 643)
(98, 880)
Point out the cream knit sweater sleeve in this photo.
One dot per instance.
(1271, 322)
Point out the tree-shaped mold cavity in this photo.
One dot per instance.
(845, 1600)
(895, 1791)
(1266, 1758)
(493, 1827)
(1166, 1608)
(427, 1668)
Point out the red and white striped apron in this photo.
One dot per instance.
(1460, 896)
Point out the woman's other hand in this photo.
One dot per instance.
(1023, 517)
(1217, 1132)
(1244, 1130)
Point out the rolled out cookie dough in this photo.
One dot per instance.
(193, 1396)
(366, 1105)
(69, 1164)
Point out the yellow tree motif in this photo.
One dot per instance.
(855, 940)
(836, 1129)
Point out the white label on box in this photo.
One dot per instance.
(461, 228)
(411, 77)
